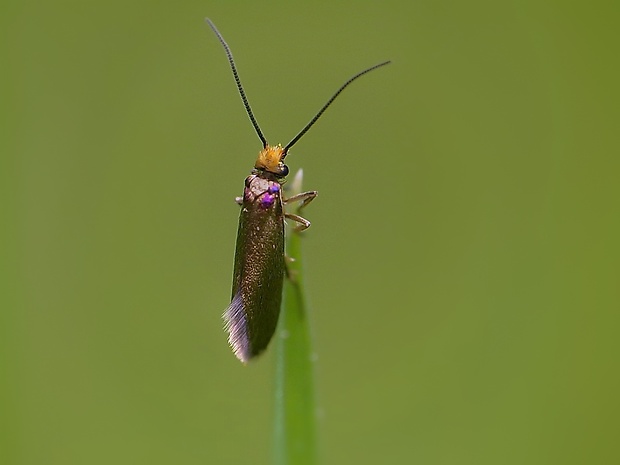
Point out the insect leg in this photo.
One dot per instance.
(303, 223)
(305, 198)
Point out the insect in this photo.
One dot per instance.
(259, 269)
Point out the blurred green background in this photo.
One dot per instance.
(462, 266)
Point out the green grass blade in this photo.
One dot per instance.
(295, 409)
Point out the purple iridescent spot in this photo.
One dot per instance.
(274, 188)
(267, 200)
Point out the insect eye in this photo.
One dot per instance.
(283, 170)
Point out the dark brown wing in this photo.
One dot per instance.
(252, 316)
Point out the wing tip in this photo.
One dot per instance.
(235, 323)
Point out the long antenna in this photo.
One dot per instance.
(238, 81)
(329, 102)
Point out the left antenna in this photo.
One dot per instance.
(238, 81)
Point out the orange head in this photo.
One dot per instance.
(270, 159)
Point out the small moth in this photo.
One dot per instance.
(258, 275)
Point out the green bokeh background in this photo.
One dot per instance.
(462, 266)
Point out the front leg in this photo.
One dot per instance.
(305, 198)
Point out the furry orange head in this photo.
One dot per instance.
(271, 159)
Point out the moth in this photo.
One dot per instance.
(259, 270)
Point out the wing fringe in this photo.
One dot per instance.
(235, 323)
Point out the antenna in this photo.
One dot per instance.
(238, 81)
(329, 102)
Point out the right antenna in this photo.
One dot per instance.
(329, 102)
